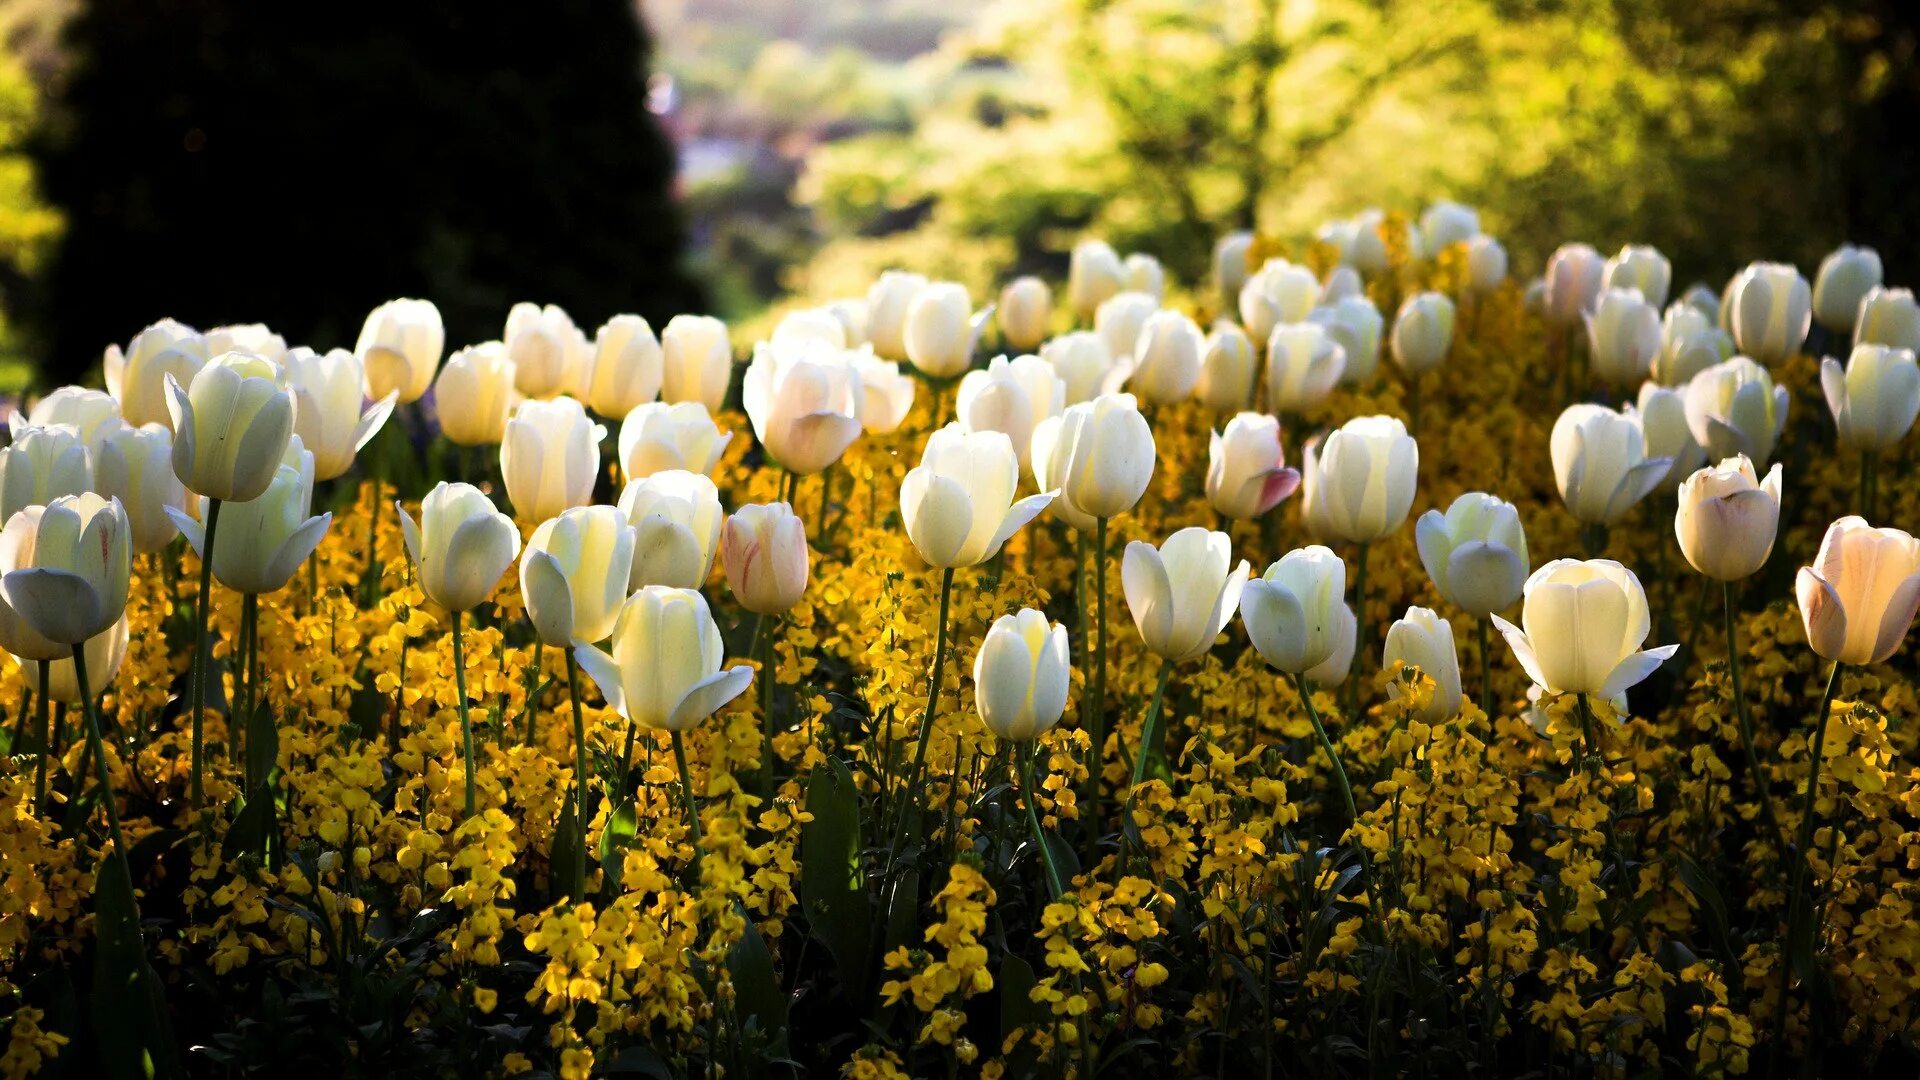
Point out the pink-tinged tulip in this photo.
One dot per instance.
(804, 404)
(1247, 473)
(1727, 519)
(1859, 596)
(763, 548)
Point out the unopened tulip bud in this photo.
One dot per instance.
(231, 426)
(1845, 277)
(1689, 344)
(137, 378)
(1772, 310)
(1422, 639)
(677, 518)
(1119, 321)
(1642, 269)
(1623, 337)
(1279, 292)
(548, 351)
(1422, 332)
(763, 548)
(1022, 675)
(1292, 612)
(1025, 312)
(1600, 463)
(1875, 398)
(1247, 472)
(1230, 267)
(399, 348)
(64, 572)
(1889, 317)
(475, 395)
(1475, 553)
(887, 301)
(1727, 519)
(136, 467)
(1356, 326)
(939, 332)
(657, 436)
(1734, 408)
(1304, 363)
(1858, 598)
(1228, 366)
(42, 464)
(1445, 224)
(696, 361)
(550, 457)
(1146, 275)
(1011, 397)
(1486, 264)
(1094, 274)
(1573, 283)
(460, 547)
(1662, 416)
(663, 672)
(1098, 454)
(623, 371)
(1166, 357)
(573, 574)
(1358, 484)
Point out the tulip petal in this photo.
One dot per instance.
(1522, 649)
(481, 550)
(190, 528)
(1821, 611)
(1896, 617)
(939, 515)
(605, 673)
(374, 419)
(1017, 517)
(1632, 670)
(1143, 578)
(549, 598)
(297, 548)
(409, 533)
(60, 606)
(709, 696)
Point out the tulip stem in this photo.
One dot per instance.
(42, 707)
(370, 579)
(1028, 795)
(1150, 737)
(1486, 678)
(686, 791)
(1807, 819)
(579, 867)
(1354, 694)
(926, 722)
(460, 693)
(1326, 747)
(1097, 730)
(1746, 721)
(1863, 492)
(768, 641)
(242, 718)
(202, 659)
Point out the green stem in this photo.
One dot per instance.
(693, 807)
(579, 868)
(1807, 806)
(92, 714)
(202, 660)
(370, 578)
(1863, 492)
(43, 711)
(1028, 792)
(1150, 738)
(1486, 680)
(767, 643)
(1097, 729)
(919, 765)
(1746, 722)
(1355, 696)
(244, 683)
(460, 691)
(1326, 747)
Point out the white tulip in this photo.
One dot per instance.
(941, 330)
(677, 519)
(1292, 612)
(326, 408)
(1486, 264)
(1022, 675)
(1475, 553)
(1011, 397)
(1689, 344)
(1304, 363)
(1582, 627)
(475, 395)
(399, 348)
(1734, 408)
(1183, 593)
(1623, 337)
(136, 466)
(137, 378)
(1422, 332)
(1727, 519)
(1228, 368)
(1445, 224)
(1422, 639)
(624, 369)
(1084, 364)
(1356, 326)
(573, 575)
(460, 547)
(696, 361)
(1642, 269)
(1025, 312)
(1120, 319)
(1845, 277)
(42, 464)
(231, 426)
(1230, 267)
(804, 403)
(1600, 463)
(1887, 317)
(1771, 312)
(255, 338)
(664, 671)
(262, 541)
(548, 351)
(1662, 416)
(1094, 274)
(887, 301)
(1167, 357)
(958, 504)
(1875, 398)
(550, 457)
(1358, 484)
(1573, 283)
(94, 414)
(1099, 456)
(1277, 293)
(1146, 275)
(886, 393)
(657, 436)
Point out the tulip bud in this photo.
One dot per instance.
(254, 338)
(1889, 317)
(548, 351)
(1356, 326)
(230, 427)
(1600, 463)
(94, 414)
(1662, 416)
(136, 467)
(656, 437)
(1183, 593)
(1448, 223)
(1026, 310)
(1228, 367)
(763, 548)
(1292, 612)
(1771, 310)
(1875, 398)
(1338, 665)
(42, 464)
(550, 457)
(1534, 299)
(1083, 362)
(460, 547)
(1167, 357)
(138, 377)
(1704, 300)
(64, 571)
(106, 653)
(399, 349)
(886, 395)
(1247, 472)
(1846, 275)
(1486, 264)
(1727, 519)
(261, 541)
(1011, 397)
(1119, 321)
(696, 361)
(1022, 675)
(958, 502)
(1573, 283)
(1277, 293)
(1422, 332)
(1689, 344)
(1303, 365)
(1623, 337)
(1341, 283)
(810, 324)
(1584, 623)
(939, 332)
(852, 314)
(1146, 275)
(1094, 275)
(623, 372)
(804, 404)
(326, 413)
(1422, 639)
(1098, 455)
(664, 671)
(573, 575)
(677, 518)
(1734, 408)
(887, 301)
(1363, 242)
(1230, 267)
(1859, 596)
(1640, 268)
(1475, 553)
(475, 394)
(1359, 483)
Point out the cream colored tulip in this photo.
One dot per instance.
(623, 372)
(886, 393)
(461, 546)
(664, 671)
(1422, 639)
(548, 351)
(1642, 269)
(763, 548)
(1859, 596)
(1445, 224)
(1247, 472)
(255, 338)
(887, 302)
(1182, 593)
(1166, 357)
(696, 361)
(1734, 408)
(106, 654)
(804, 403)
(1887, 317)
(1099, 455)
(136, 467)
(262, 541)
(1358, 484)
(677, 518)
(1475, 553)
(1022, 675)
(399, 347)
(1574, 274)
(1422, 332)
(1304, 364)
(657, 436)
(1025, 312)
(1084, 364)
(1771, 312)
(1293, 611)
(326, 408)
(42, 464)
(1094, 274)
(852, 313)
(1662, 416)
(231, 426)
(1119, 322)
(550, 457)
(810, 324)
(958, 503)
(941, 330)
(573, 574)
(1875, 398)
(1581, 629)
(93, 413)
(1341, 283)
(475, 395)
(1623, 337)
(1146, 275)
(1278, 293)
(64, 571)
(1363, 241)
(1228, 367)
(1845, 277)
(138, 377)
(1689, 344)
(1356, 326)
(1486, 264)
(1727, 519)
(1011, 397)
(1600, 463)
(1230, 269)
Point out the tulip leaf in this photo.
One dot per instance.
(566, 853)
(903, 911)
(253, 825)
(128, 1006)
(832, 884)
(757, 993)
(1019, 1010)
(618, 832)
(1714, 906)
(263, 746)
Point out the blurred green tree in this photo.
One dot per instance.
(27, 225)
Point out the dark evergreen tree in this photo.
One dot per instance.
(296, 164)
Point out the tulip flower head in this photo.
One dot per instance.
(1084, 364)
(1642, 269)
(262, 541)
(1119, 322)
(1358, 484)
(64, 572)
(1486, 264)
(1573, 282)
(1094, 274)
(1279, 292)
(657, 436)
(696, 361)
(763, 548)
(1771, 311)
(327, 414)
(1230, 267)
(475, 395)
(549, 353)
(1662, 416)
(550, 457)
(573, 574)
(1293, 611)
(1727, 519)
(1689, 344)
(461, 545)
(1581, 628)
(1875, 398)
(1356, 326)
(1247, 472)
(677, 518)
(1341, 283)
(942, 330)
(1475, 553)
(1011, 397)
(852, 314)
(1099, 456)
(256, 338)
(958, 502)
(887, 301)
(1858, 598)
(804, 403)
(1600, 463)
(399, 349)
(1304, 363)
(1183, 593)
(1422, 332)
(1025, 312)
(136, 466)
(663, 672)
(1422, 639)
(137, 378)
(1228, 367)
(1734, 408)
(42, 464)
(886, 393)
(93, 413)
(1167, 357)
(811, 324)
(1845, 277)
(1021, 675)
(1889, 317)
(1146, 275)
(1623, 337)
(624, 368)
(230, 426)
(1445, 224)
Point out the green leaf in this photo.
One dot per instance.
(263, 746)
(615, 836)
(1019, 1010)
(129, 1009)
(903, 910)
(832, 885)
(252, 825)
(567, 852)
(756, 991)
